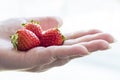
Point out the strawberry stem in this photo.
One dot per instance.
(14, 39)
(32, 21)
(64, 38)
(23, 24)
(35, 22)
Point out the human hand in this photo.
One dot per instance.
(77, 44)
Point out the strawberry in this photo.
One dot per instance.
(34, 27)
(24, 40)
(52, 37)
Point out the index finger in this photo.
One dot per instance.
(47, 22)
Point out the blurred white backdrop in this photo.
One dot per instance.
(76, 15)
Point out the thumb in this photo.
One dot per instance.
(47, 22)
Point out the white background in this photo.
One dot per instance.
(76, 15)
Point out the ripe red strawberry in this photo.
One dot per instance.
(34, 27)
(52, 37)
(24, 40)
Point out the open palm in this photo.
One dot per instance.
(38, 59)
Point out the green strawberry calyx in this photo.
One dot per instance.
(14, 40)
(31, 21)
(63, 37)
(34, 22)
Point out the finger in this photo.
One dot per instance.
(62, 52)
(96, 45)
(93, 46)
(81, 33)
(47, 22)
(87, 38)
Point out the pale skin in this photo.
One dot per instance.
(77, 44)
